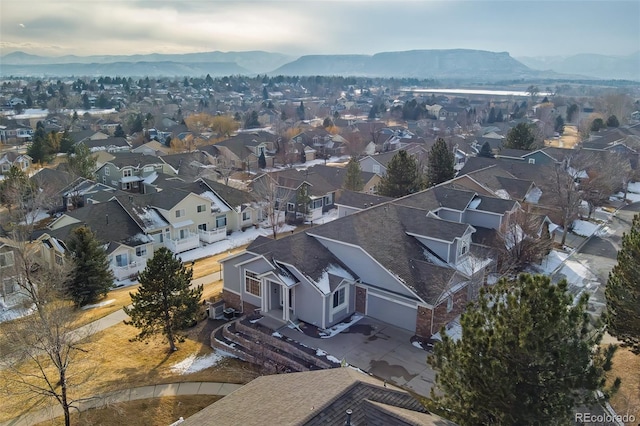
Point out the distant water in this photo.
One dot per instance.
(475, 92)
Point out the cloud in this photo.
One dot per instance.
(21, 25)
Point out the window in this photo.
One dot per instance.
(126, 185)
(291, 207)
(202, 208)
(463, 247)
(126, 173)
(184, 233)
(328, 199)
(6, 259)
(532, 161)
(104, 180)
(9, 285)
(338, 298)
(317, 203)
(122, 260)
(148, 169)
(449, 304)
(221, 221)
(141, 251)
(58, 259)
(246, 216)
(251, 283)
(202, 227)
(107, 172)
(180, 213)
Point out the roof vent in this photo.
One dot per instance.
(348, 421)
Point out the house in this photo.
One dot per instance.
(128, 171)
(378, 163)
(335, 176)
(244, 149)
(10, 294)
(337, 396)
(109, 144)
(152, 148)
(410, 262)
(349, 202)
(11, 158)
(13, 132)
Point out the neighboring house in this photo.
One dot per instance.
(378, 163)
(13, 132)
(10, 294)
(115, 144)
(11, 158)
(349, 202)
(152, 148)
(409, 262)
(244, 149)
(128, 171)
(335, 176)
(323, 397)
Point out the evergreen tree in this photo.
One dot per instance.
(303, 156)
(119, 132)
(353, 177)
(303, 199)
(265, 93)
(262, 161)
(521, 137)
(251, 120)
(402, 177)
(597, 124)
(500, 116)
(441, 163)
(559, 124)
(612, 121)
(37, 149)
(82, 162)
(66, 141)
(164, 303)
(16, 189)
(571, 112)
(623, 290)
(136, 123)
(492, 115)
(485, 150)
(300, 111)
(91, 276)
(526, 356)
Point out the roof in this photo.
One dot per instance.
(132, 159)
(321, 397)
(360, 200)
(106, 143)
(335, 176)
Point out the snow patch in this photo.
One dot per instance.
(193, 363)
(417, 344)
(336, 329)
(276, 334)
(10, 314)
(99, 305)
(584, 228)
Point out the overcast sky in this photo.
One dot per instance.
(522, 28)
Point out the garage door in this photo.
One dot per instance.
(388, 311)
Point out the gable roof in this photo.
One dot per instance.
(360, 200)
(132, 159)
(335, 176)
(321, 398)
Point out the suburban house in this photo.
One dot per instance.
(109, 144)
(321, 141)
(337, 396)
(11, 158)
(335, 176)
(128, 171)
(410, 262)
(10, 294)
(349, 202)
(14, 132)
(378, 163)
(244, 149)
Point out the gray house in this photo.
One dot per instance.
(410, 262)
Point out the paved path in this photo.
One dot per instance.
(126, 395)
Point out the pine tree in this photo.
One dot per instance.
(623, 291)
(119, 132)
(81, 161)
(262, 160)
(441, 163)
(500, 116)
(92, 278)
(66, 142)
(492, 115)
(37, 150)
(402, 177)
(485, 150)
(164, 303)
(521, 137)
(353, 177)
(526, 356)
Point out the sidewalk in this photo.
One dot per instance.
(126, 395)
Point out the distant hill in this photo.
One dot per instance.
(441, 64)
(127, 69)
(252, 61)
(458, 64)
(598, 66)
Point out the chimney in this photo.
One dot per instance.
(107, 218)
(348, 422)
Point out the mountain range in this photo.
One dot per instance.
(446, 64)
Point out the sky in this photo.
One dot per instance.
(300, 27)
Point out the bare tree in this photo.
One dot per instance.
(273, 200)
(523, 240)
(47, 356)
(565, 190)
(607, 173)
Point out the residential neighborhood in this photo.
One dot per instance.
(281, 190)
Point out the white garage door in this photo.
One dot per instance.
(388, 311)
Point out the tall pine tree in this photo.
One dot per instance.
(623, 291)
(262, 160)
(91, 276)
(485, 150)
(441, 163)
(521, 137)
(37, 149)
(353, 177)
(402, 177)
(164, 303)
(526, 356)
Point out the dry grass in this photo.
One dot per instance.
(570, 137)
(120, 364)
(157, 411)
(626, 365)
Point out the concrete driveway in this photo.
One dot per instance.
(378, 348)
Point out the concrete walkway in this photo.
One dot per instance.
(126, 395)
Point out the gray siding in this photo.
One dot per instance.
(231, 274)
(452, 215)
(343, 313)
(308, 304)
(346, 211)
(438, 247)
(393, 313)
(478, 218)
(365, 267)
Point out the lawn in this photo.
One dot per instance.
(626, 365)
(157, 411)
(117, 363)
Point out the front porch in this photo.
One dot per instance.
(190, 240)
(212, 236)
(278, 302)
(130, 270)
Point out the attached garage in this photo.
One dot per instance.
(384, 308)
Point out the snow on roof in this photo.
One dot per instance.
(323, 282)
(534, 195)
(453, 330)
(130, 179)
(151, 178)
(503, 194)
(471, 264)
(182, 224)
(150, 218)
(215, 201)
